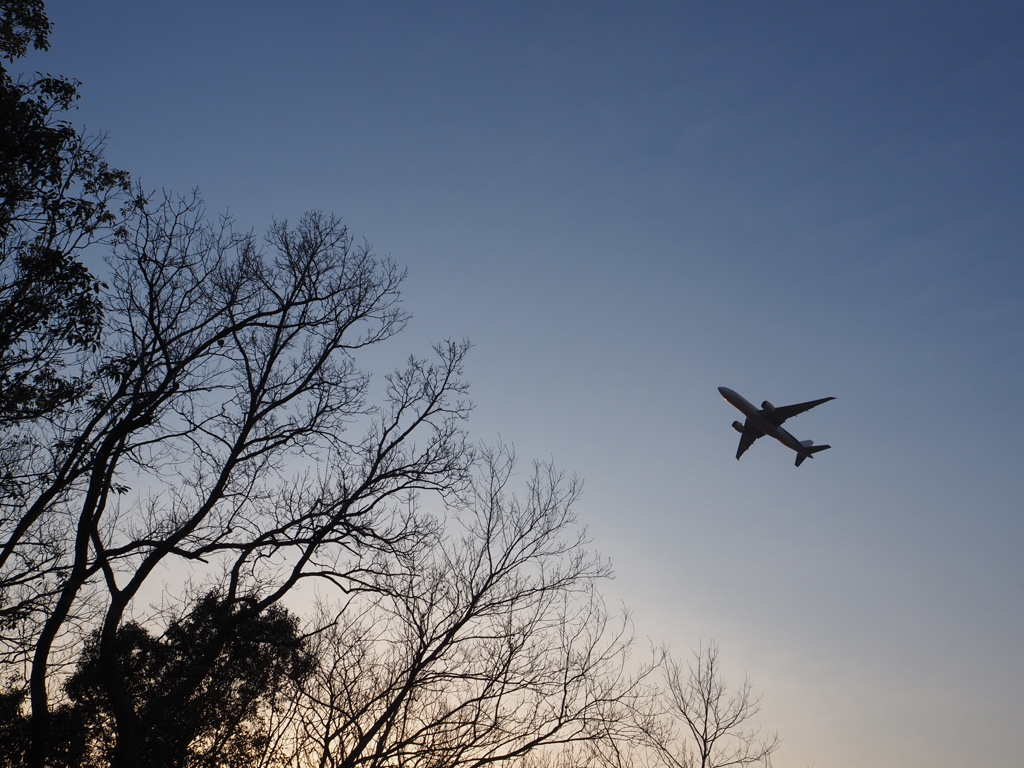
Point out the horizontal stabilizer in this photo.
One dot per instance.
(811, 449)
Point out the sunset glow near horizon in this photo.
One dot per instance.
(625, 208)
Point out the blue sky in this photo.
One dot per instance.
(627, 206)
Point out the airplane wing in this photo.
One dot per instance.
(750, 434)
(784, 412)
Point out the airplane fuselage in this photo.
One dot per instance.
(755, 418)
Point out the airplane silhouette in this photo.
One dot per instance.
(768, 421)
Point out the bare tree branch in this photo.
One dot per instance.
(715, 726)
(486, 645)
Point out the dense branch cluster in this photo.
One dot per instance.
(221, 370)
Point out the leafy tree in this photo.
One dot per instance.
(200, 693)
(23, 23)
(14, 727)
(57, 196)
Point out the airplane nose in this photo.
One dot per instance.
(731, 397)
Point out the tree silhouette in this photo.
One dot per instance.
(710, 725)
(489, 645)
(57, 196)
(221, 368)
(200, 692)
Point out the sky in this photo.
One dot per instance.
(625, 206)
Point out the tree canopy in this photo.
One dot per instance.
(57, 196)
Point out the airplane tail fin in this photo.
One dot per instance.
(811, 449)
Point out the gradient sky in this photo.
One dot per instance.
(625, 206)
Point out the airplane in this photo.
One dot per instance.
(768, 421)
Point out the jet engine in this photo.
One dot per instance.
(766, 406)
(738, 427)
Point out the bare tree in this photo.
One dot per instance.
(708, 725)
(487, 645)
(229, 427)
